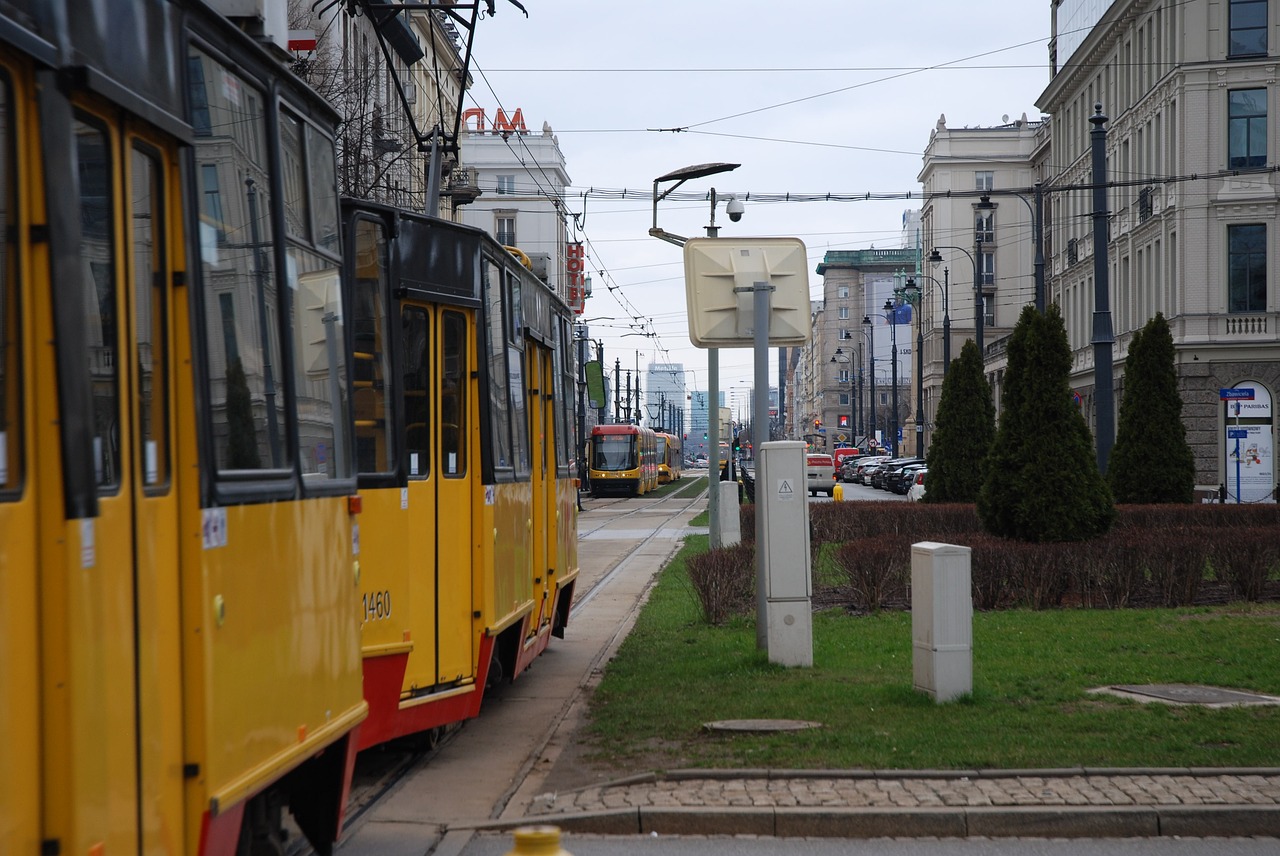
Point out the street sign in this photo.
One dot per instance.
(1244, 393)
(1237, 433)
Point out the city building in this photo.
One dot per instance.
(847, 376)
(962, 170)
(1184, 93)
(522, 179)
(665, 397)
(1190, 98)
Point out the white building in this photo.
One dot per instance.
(522, 180)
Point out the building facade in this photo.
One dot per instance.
(522, 179)
(1188, 89)
(978, 215)
(665, 397)
(861, 345)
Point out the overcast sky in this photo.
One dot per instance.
(827, 96)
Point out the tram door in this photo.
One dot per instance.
(110, 631)
(437, 400)
(543, 465)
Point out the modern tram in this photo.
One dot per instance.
(670, 457)
(622, 459)
(280, 478)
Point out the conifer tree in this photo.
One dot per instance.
(1151, 461)
(964, 428)
(242, 438)
(1042, 481)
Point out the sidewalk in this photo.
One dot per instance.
(865, 804)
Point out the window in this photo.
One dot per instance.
(1248, 26)
(984, 179)
(505, 230)
(415, 355)
(376, 443)
(988, 310)
(1144, 204)
(842, 292)
(99, 305)
(151, 309)
(246, 403)
(987, 268)
(314, 303)
(844, 334)
(1246, 128)
(506, 185)
(11, 418)
(453, 395)
(211, 221)
(1247, 268)
(984, 226)
(843, 313)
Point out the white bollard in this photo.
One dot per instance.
(730, 518)
(941, 620)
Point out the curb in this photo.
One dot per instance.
(986, 822)
(1038, 821)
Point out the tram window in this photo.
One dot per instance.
(97, 253)
(519, 417)
(10, 367)
(246, 402)
(311, 196)
(499, 412)
(315, 304)
(151, 308)
(416, 362)
(320, 366)
(375, 443)
(453, 396)
(567, 427)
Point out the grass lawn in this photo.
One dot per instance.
(1029, 707)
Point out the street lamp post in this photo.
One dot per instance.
(978, 319)
(871, 355)
(1037, 230)
(890, 315)
(934, 258)
(680, 176)
(913, 294)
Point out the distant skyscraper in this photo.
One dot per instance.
(665, 398)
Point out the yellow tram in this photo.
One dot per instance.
(623, 458)
(463, 374)
(670, 457)
(178, 656)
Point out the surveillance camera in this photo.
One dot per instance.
(734, 209)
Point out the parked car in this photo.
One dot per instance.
(878, 478)
(900, 480)
(867, 466)
(916, 492)
(820, 474)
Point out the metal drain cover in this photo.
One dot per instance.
(760, 725)
(1188, 694)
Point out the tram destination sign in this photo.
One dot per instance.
(1236, 394)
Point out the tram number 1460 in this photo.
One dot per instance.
(377, 605)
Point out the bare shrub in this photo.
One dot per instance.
(1110, 569)
(1245, 560)
(724, 581)
(875, 569)
(992, 571)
